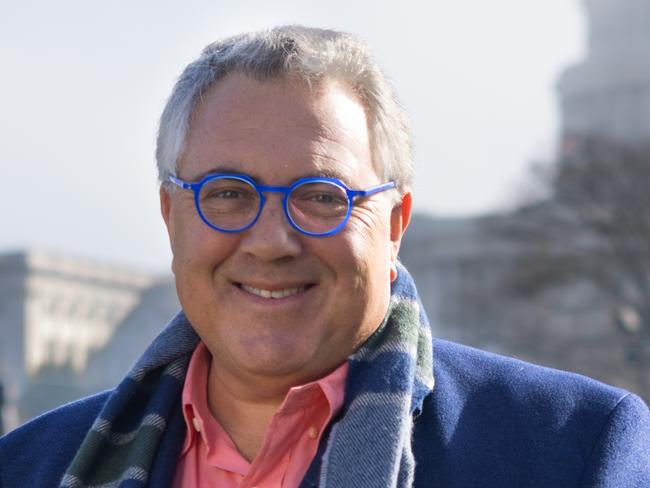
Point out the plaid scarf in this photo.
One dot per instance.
(368, 446)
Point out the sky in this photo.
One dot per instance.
(83, 84)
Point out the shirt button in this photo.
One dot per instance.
(312, 432)
(197, 424)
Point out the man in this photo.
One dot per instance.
(302, 356)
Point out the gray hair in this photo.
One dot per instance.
(303, 53)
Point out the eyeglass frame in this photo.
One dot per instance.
(286, 191)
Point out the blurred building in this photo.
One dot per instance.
(463, 270)
(608, 93)
(71, 327)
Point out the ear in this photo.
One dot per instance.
(399, 221)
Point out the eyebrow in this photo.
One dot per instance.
(218, 169)
(227, 169)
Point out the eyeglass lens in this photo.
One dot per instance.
(232, 204)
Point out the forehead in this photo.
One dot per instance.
(278, 129)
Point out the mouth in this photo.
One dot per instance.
(273, 294)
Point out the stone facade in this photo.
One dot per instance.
(55, 314)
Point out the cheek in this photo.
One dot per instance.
(370, 232)
(367, 247)
(197, 249)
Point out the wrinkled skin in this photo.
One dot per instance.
(277, 132)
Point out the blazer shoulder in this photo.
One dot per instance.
(465, 370)
(38, 452)
(533, 426)
(621, 457)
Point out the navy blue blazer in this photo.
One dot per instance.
(491, 421)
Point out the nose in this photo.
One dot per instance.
(272, 237)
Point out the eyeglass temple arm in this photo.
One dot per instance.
(374, 189)
(178, 182)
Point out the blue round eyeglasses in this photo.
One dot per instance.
(317, 207)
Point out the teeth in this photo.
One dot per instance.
(272, 294)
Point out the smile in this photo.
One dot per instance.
(287, 292)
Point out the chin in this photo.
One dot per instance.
(288, 361)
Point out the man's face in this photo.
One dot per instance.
(339, 286)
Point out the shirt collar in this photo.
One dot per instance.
(200, 423)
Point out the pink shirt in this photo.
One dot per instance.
(210, 458)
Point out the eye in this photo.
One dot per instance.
(320, 193)
(226, 194)
(322, 197)
(226, 202)
(317, 201)
(227, 189)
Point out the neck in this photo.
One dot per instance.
(244, 408)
